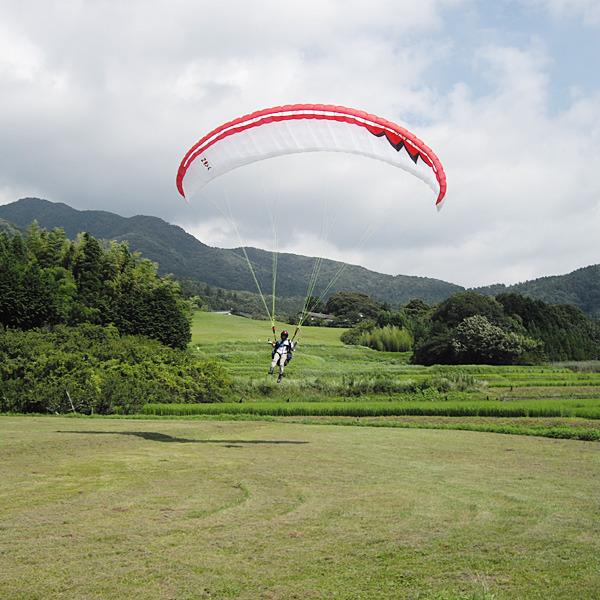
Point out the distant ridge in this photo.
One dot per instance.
(182, 254)
(580, 288)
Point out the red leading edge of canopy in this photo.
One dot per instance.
(375, 125)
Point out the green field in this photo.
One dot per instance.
(212, 328)
(174, 509)
(359, 476)
(327, 380)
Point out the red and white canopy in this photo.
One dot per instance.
(307, 128)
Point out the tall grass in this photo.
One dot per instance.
(586, 409)
(354, 385)
(388, 339)
(584, 366)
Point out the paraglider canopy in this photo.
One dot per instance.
(307, 128)
(297, 128)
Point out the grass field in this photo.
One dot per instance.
(173, 509)
(211, 328)
(327, 379)
(272, 498)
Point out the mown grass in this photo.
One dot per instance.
(194, 509)
(230, 330)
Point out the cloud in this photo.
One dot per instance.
(524, 177)
(588, 10)
(99, 102)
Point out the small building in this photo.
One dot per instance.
(316, 315)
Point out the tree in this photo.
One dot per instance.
(416, 306)
(46, 280)
(388, 317)
(88, 274)
(315, 304)
(29, 296)
(344, 303)
(165, 315)
(461, 305)
(56, 248)
(485, 333)
(433, 346)
(477, 341)
(564, 330)
(141, 303)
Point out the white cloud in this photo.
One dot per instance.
(99, 102)
(20, 59)
(588, 10)
(523, 179)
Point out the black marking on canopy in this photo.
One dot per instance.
(398, 146)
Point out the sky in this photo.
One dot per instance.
(101, 99)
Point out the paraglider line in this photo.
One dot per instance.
(229, 217)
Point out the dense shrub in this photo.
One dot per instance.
(93, 369)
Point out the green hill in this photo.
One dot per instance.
(580, 288)
(180, 253)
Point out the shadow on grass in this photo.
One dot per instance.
(162, 437)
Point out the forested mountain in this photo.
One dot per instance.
(580, 288)
(180, 253)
